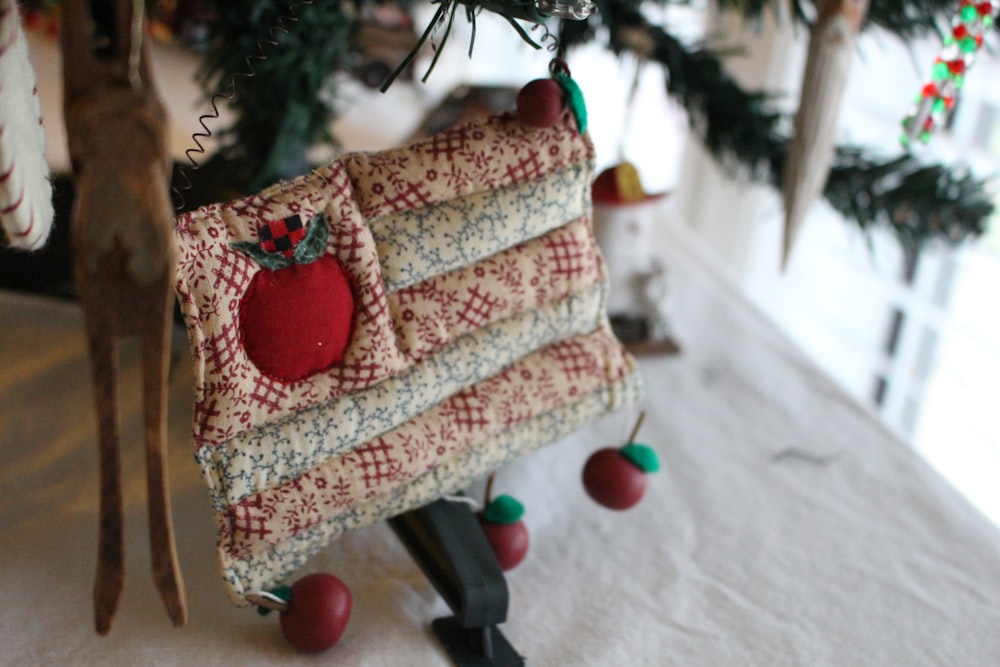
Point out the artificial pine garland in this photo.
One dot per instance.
(280, 112)
(283, 56)
(744, 131)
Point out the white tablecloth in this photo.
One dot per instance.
(848, 551)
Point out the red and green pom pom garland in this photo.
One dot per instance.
(959, 50)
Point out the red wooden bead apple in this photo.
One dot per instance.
(540, 103)
(612, 481)
(316, 612)
(616, 477)
(504, 530)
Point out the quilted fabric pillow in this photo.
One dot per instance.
(451, 318)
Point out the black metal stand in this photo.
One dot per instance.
(444, 538)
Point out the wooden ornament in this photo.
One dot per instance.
(123, 269)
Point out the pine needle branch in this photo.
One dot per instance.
(742, 130)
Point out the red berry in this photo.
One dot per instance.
(317, 613)
(296, 321)
(612, 480)
(509, 541)
(540, 103)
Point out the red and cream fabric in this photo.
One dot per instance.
(478, 334)
(25, 192)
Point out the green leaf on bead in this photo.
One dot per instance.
(282, 592)
(504, 509)
(574, 99)
(642, 456)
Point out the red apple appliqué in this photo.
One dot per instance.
(296, 315)
(505, 531)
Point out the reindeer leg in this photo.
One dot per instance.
(155, 355)
(110, 551)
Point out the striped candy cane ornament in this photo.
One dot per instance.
(25, 192)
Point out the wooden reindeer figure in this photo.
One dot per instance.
(124, 262)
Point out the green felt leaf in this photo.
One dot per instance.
(309, 249)
(283, 592)
(313, 245)
(504, 509)
(574, 98)
(269, 260)
(642, 456)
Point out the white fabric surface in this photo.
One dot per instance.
(733, 558)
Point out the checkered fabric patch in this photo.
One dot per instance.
(281, 235)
